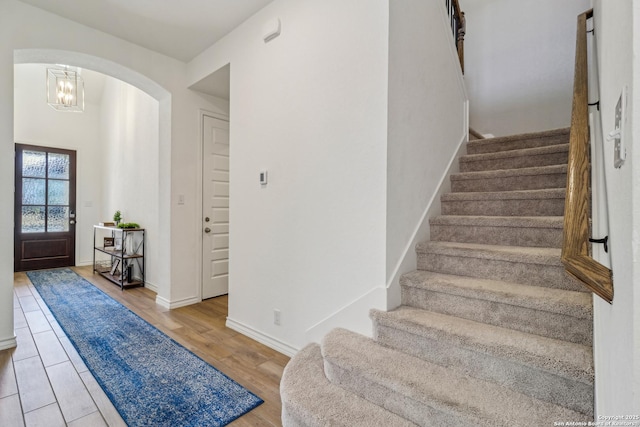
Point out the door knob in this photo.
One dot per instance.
(72, 222)
(207, 230)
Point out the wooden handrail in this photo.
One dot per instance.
(575, 245)
(476, 134)
(458, 26)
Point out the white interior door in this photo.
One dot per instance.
(215, 208)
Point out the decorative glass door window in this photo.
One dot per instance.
(45, 192)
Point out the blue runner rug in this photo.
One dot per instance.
(151, 379)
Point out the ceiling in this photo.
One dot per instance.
(181, 29)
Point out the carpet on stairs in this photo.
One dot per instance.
(491, 330)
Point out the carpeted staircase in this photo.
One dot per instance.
(491, 330)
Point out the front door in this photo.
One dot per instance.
(215, 208)
(45, 206)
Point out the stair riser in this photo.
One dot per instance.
(549, 276)
(524, 379)
(526, 161)
(546, 324)
(510, 183)
(419, 412)
(487, 147)
(514, 207)
(507, 236)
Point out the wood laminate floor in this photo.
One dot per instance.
(43, 381)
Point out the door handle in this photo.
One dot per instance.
(207, 230)
(72, 222)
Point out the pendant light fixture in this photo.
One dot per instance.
(65, 89)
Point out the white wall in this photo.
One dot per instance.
(26, 33)
(310, 107)
(186, 219)
(635, 130)
(7, 336)
(519, 63)
(38, 124)
(427, 125)
(130, 161)
(617, 326)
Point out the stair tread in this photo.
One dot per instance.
(559, 301)
(522, 136)
(480, 364)
(309, 398)
(520, 152)
(504, 173)
(563, 358)
(499, 221)
(481, 402)
(547, 193)
(533, 255)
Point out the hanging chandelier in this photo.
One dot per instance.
(65, 89)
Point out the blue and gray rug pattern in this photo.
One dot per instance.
(151, 379)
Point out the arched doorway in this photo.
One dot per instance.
(163, 155)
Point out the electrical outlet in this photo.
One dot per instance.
(276, 317)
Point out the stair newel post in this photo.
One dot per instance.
(458, 27)
(460, 39)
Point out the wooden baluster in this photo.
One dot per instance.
(462, 28)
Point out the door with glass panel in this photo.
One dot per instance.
(45, 206)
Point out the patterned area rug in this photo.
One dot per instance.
(151, 379)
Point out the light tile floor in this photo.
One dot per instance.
(43, 381)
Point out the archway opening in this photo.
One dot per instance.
(125, 161)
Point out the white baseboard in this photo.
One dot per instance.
(175, 304)
(262, 338)
(151, 287)
(8, 343)
(422, 232)
(354, 316)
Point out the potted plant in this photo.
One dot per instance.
(129, 225)
(117, 217)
